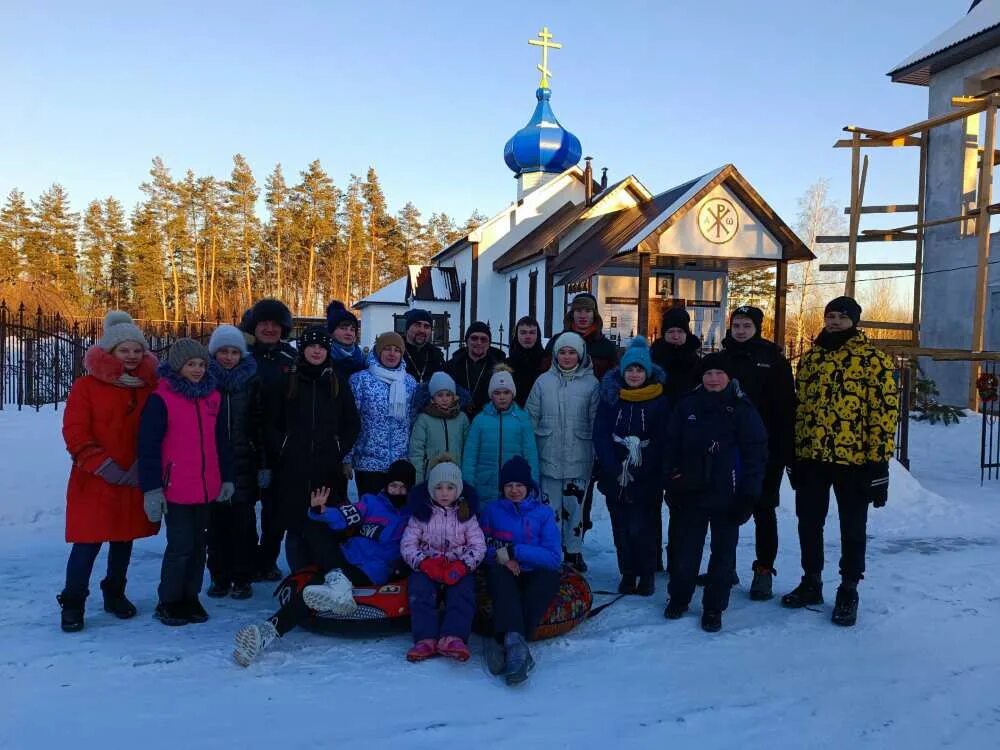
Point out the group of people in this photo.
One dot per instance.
(481, 462)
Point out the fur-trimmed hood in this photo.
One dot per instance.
(613, 382)
(107, 368)
(185, 387)
(233, 380)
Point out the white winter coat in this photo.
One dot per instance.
(562, 409)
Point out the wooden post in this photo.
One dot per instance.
(780, 300)
(852, 234)
(918, 259)
(983, 200)
(644, 268)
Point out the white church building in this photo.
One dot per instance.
(637, 251)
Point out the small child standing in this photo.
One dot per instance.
(440, 428)
(184, 466)
(443, 544)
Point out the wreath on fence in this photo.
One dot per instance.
(988, 386)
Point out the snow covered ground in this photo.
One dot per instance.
(920, 670)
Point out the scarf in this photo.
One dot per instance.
(128, 380)
(339, 352)
(833, 341)
(586, 333)
(633, 457)
(567, 374)
(396, 380)
(437, 412)
(643, 393)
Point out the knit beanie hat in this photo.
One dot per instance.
(401, 471)
(676, 317)
(441, 381)
(749, 311)
(184, 350)
(585, 301)
(571, 339)
(313, 335)
(716, 361)
(273, 310)
(417, 315)
(336, 314)
(118, 328)
(516, 470)
(389, 338)
(847, 306)
(227, 335)
(445, 470)
(502, 380)
(637, 354)
(478, 327)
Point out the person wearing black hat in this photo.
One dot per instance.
(677, 351)
(765, 376)
(845, 428)
(715, 458)
(423, 358)
(472, 366)
(526, 356)
(345, 354)
(584, 318)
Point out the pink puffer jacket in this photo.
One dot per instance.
(443, 535)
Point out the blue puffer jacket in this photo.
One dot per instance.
(494, 439)
(617, 418)
(375, 548)
(530, 526)
(383, 437)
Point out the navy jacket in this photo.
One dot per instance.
(530, 526)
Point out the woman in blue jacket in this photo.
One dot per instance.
(629, 439)
(716, 454)
(522, 568)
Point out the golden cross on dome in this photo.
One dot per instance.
(546, 44)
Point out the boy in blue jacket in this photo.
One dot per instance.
(348, 545)
(523, 556)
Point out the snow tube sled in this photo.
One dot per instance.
(568, 608)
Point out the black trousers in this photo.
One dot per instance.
(232, 542)
(812, 503)
(691, 524)
(184, 558)
(370, 482)
(272, 530)
(634, 527)
(81, 563)
(765, 517)
(520, 601)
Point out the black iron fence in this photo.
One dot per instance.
(988, 385)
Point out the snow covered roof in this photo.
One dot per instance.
(976, 32)
(433, 284)
(393, 293)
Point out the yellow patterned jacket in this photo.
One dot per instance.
(847, 404)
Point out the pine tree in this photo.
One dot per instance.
(146, 267)
(442, 232)
(315, 215)
(279, 227)
(166, 202)
(15, 230)
(96, 251)
(354, 229)
(53, 242)
(241, 202)
(375, 219)
(119, 292)
(413, 235)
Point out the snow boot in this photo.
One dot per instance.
(626, 585)
(762, 589)
(845, 610)
(702, 579)
(808, 592)
(71, 619)
(242, 591)
(116, 602)
(453, 646)
(218, 589)
(674, 611)
(576, 561)
(335, 594)
(251, 640)
(195, 612)
(172, 614)
(422, 650)
(711, 621)
(496, 657)
(519, 661)
(646, 586)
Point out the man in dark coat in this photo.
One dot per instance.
(423, 359)
(765, 376)
(677, 352)
(526, 356)
(584, 318)
(270, 322)
(472, 366)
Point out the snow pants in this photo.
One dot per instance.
(634, 526)
(459, 607)
(812, 503)
(184, 558)
(566, 497)
(520, 601)
(232, 542)
(81, 564)
(691, 524)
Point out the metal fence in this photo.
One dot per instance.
(989, 397)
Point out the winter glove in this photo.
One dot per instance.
(112, 473)
(876, 483)
(743, 511)
(434, 568)
(264, 478)
(155, 504)
(226, 492)
(454, 572)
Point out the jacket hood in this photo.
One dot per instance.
(586, 367)
(107, 368)
(233, 380)
(613, 382)
(420, 502)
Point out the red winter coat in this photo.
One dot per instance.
(101, 421)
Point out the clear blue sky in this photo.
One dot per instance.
(430, 91)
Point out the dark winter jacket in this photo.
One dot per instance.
(241, 415)
(602, 350)
(716, 451)
(528, 526)
(309, 429)
(680, 363)
(527, 364)
(619, 479)
(273, 364)
(423, 361)
(765, 377)
(474, 376)
(376, 530)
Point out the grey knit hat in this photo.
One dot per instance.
(183, 350)
(571, 339)
(441, 381)
(227, 335)
(503, 379)
(446, 471)
(118, 328)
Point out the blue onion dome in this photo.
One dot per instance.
(543, 145)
